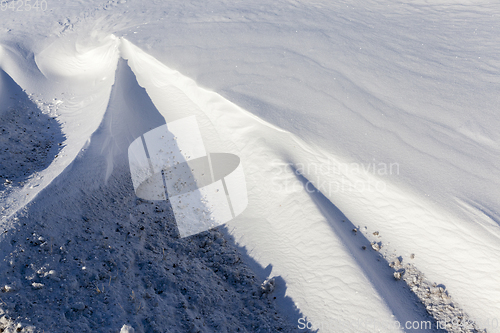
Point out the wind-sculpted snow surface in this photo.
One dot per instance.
(76, 101)
(368, 134)
(88, 255)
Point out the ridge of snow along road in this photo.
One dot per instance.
(285, 226)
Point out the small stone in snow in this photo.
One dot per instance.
(127, 329)
(7, 288)
(37, 285)
(268, 286)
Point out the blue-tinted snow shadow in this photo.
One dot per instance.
(91, 217)
(29, 139)
(119, 135)
(404, 304)
(285, 303)
(479, 208)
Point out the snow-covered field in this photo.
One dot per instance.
(368, 136)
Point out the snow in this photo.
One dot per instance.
(91, 251)
(379, 118)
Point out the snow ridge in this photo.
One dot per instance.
(87, 255)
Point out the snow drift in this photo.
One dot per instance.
(297, 190)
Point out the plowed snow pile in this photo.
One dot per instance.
(367, 156)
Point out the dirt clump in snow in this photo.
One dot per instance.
(438, 303)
